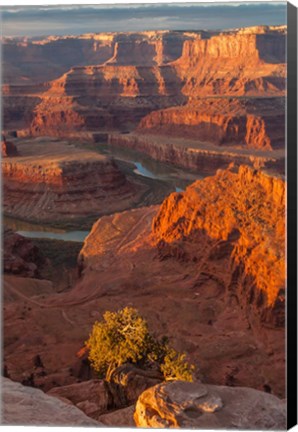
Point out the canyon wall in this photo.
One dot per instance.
(243, 211)
(36, 60)
(121, 78)
(212, 259)
(235, 63)
(257, 123)
(102, 98)
(187, 153)
(53, 183)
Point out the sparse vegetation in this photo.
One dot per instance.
(124, 337)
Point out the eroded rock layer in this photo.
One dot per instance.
(202, 157)
(254, 123)
(242, 211)
(51, 182)
(209, 263)
(174, 67)
(249, 61)
(194, 405)
(37, 60)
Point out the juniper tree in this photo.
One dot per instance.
(124, 337)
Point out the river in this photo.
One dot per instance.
(137, 163)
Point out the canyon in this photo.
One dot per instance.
(53, 181)
(235, 301)
(218, 89)
(168, 149)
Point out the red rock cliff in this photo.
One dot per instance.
(247, 210)
(257, 123)
(146, 73)
(240, 62)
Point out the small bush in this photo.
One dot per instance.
(175, 367)
(123, 337)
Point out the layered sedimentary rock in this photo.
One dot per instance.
(255, 123)
(202, 157)
(210, 264)
(26, 72)
(104, 97)
(34, 61)
(241, 212)
(27, 60)
(55, 183)
(195, 405)
(221, 243)
(250, 62)
(173, 67)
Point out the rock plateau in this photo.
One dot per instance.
(55, 182)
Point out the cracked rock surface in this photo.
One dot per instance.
(196, 405)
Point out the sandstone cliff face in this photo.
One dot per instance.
(126, 65)
(150, 71)
(195, 405)
(31, 61)
(147, 48)
(234, 64)
(18, 110)
(216, 253)
(254, 124)
(35, 61)
(62, 183)
(243, 211)
(104, 98)
(195, 155)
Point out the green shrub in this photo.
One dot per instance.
(123, 337)
(175, 367)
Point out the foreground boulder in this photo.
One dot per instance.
(194, 405)
(119, 418)
(89, 396)
(28, 406)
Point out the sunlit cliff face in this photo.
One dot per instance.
(139, 73)
(247, 205)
